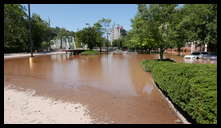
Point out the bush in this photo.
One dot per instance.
(90, 52)
(192, 87)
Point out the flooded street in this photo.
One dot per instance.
(114, 88)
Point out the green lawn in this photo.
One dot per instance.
(90, 52)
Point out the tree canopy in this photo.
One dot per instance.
(16, 30)
(162, 26)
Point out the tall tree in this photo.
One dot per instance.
(99, 39)
(41, 32)
(159, 18)
(201, 21)
(15, 28)
(166, 25)
(152, 26)
(178, 34)
(88, 36)
(105, 22)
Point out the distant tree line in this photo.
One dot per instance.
(95, 35)
(16, 30)
(162, 26)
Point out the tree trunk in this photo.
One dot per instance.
(49, 46)
(161, 53)
(107, 43)
(61, 43)
(179, 51)
(107, 46)
(171, 51)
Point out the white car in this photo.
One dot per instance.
(210, 56)
(194, 55)
(118, 51)
(203, 54)
(213, 58)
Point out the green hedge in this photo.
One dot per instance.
(90, 52)
(192, 87)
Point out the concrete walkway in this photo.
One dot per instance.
(18, 55)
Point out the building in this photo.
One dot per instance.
(191, 47)
(115, 33)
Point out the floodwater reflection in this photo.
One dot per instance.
(30, 63)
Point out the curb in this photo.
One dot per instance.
(182, 118)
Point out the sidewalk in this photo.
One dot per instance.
(24, 107)
(17, 55)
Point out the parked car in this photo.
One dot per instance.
(213, 58)
(203, 54)
(118, 51)
(210, 56)
(194, 55)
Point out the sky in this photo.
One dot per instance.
(74, 17)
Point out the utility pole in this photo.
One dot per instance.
(29, 18)
(49, 43)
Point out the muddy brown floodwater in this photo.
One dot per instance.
(114, 88)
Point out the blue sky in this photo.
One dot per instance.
(75, 16)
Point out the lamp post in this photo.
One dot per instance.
(29, 18)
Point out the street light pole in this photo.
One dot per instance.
(29, 18)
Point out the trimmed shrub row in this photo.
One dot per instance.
(193, 87)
